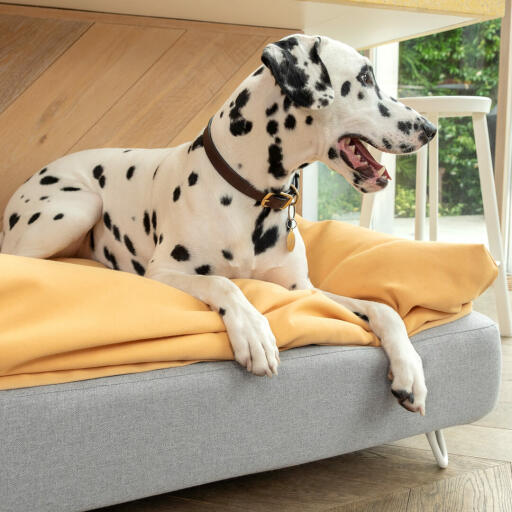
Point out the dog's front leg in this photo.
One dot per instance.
(254, 344)
(406, 368)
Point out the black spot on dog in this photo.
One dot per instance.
(363, 190)
(198, 143)
(138, 268)
(97, 172)
(58, 216)
(227, 254)
(320, 86)
(70, 189)
(221, 113)
(422, 138)
(107, 221)
(238, 124)
(384, 111)
(393, 99)
(360, 96)
(42, 198)
(101, 181)
(272, 127)
(126, 150)
(110, 257)
(222, 311)
(155, 238)
(203, 270)
(239, 165)
(405, 127)
(48, 180)
(176, 194)
(27, 201)
(408, 108)
(361, 316)
(345, 88)
(91, 240)
(226, 200)
(117, 233)
(129, 172)
(406, 148)
(146, 223)
(277, 140)
(180, 253)
(271, 110)
(160, 238)
(289, 122)
(153, 219)
(309, 120)
(287, 103)
(377, 90)
(13, 219)
(192, 179)
(258, 71)
(386, 143)
(156, 170)
(263, 240)
(275, 160)
(42, 171)
(293, 286)
(332, 153)
(34, 217)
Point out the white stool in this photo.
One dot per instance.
(434, 108)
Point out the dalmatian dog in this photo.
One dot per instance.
(168, 215)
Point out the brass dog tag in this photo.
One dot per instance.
(290, 240)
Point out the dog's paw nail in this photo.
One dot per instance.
(390, 375)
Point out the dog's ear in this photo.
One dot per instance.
(299, 71)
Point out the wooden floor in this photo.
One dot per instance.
(70, 81)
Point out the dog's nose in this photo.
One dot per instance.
(429, 129)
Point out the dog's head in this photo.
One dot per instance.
(338, 85)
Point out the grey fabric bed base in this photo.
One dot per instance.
(82, 445)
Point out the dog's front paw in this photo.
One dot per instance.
(253, 342)
(408, 382)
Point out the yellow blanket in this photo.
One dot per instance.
(62, 322)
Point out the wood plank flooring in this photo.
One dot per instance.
(71, 80)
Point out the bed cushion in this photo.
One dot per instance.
(81, 445)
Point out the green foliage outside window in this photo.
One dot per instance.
(463, 61)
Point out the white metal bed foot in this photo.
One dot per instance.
(438, 445)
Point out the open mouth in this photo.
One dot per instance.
(357, 157)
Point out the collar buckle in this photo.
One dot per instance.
(285, 199)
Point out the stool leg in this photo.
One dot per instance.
(483, 153)
(438, 446)
(365, 219)
(433, 180)
(421, 193)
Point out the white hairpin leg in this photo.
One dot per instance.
(438, 445)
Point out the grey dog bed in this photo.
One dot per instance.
(82, 445)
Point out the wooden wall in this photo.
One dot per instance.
(72, 80)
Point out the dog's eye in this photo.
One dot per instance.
(367, 79)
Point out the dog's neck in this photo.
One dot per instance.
(266, 160)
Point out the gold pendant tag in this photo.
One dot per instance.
(290, 240)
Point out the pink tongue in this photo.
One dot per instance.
(366, 155)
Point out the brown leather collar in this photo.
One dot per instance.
(276, 201)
